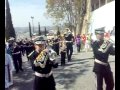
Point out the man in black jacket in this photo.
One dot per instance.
(69, 43)
(17, 57)
(42, 66)
(29, 48)
(101, 50)
(56, 45)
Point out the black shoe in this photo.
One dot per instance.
(69, 60)
(28, 60)
(21, 70)
(62, 64)
(17, 71)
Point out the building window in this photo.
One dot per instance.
(102, 2)
(97, 5)
(92, 7)
(109, 1)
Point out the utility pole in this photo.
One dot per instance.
(30, 33)
(32, 23)
(39, 31)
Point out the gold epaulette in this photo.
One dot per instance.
(30, 54)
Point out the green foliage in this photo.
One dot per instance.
(9, 29)
(55, 9)
(71, 12)
(64, 9)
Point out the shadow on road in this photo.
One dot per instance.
(74, 60)
(64, 75)
(23, 80)
(67, 75)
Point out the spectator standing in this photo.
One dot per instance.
(78, 42)
(8, 70)
(87, 45)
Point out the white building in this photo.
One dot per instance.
(103, 15)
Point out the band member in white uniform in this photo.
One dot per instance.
(8, 70)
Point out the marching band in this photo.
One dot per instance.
(43, 54)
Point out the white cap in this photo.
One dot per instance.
(39, 42)
(12, 38)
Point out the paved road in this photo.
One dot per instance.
(76, 75)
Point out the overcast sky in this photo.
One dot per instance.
(22, 10)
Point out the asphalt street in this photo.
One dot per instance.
(75, 75)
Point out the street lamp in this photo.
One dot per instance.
(32, 23)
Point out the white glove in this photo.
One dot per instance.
(36, 63)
